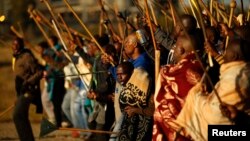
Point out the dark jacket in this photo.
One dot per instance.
(27, 76)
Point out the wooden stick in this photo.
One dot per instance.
(21, 29)
(43, 20)
(209, 14)
(65, 26)
(27, 43)
(192, 9)
(84, 27)
(68, 57)
(242, 11)
(7, 110)
(109, 26)
(120, 27)
(86, 130)
(211, 11)
(49, 24)
(121, 17)
(19, 35)
(248, 15)
(232, 7)
(217, 13)
(172, 12)
(196, 4)
(153, 14)
(184, 7)
(222, 14)
(52, 13)
(166, 21)
(4, 43)
(157, 52)
(41, 29)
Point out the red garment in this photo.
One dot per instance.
(175, 82)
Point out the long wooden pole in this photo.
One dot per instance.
(68, 57)
(196, 4)
(184, 6)
(153, 14)
(65, 26)
(19, 35)
(84, 27)
(222, 14)
(192, 9)
(30, 11)
(43, 20)
(213, 20)
(211, 11)
(6, 110)
(119, 24)
(49, 24)
(172, 12)
(157, 52)
(248, 13)
(85, 130)
(242, 11)
(232, 7)
(52, 12)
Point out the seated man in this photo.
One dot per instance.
(172, 87)
(201, 110)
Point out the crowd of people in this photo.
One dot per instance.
(114, 88)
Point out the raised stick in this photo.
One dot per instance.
(30, 11)
(192, 9)
(68, 57)
(7, 110)
(52, 13)
(211, 11)
(19, 35)
(65, 26)
(232, 7)
(196, 4)
(213, 20)
(172, 12)
(183, 6)
(157, 52)
(85, 130)
(84, 27)
(49, 24)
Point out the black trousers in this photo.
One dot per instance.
(57, 99)
(21, 118)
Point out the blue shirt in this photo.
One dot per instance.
(143, 61)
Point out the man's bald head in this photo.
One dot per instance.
(184, 45)
(237, 50)
(189, 23)
(132, 46)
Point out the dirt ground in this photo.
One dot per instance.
(8, 133)
(7, 98)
